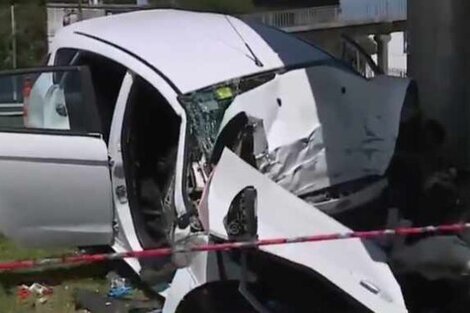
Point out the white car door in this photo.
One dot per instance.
(55, 187)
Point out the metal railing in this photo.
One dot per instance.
(350, 12)
(296, 17)
(397, 72)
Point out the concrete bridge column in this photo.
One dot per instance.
(439, 49)
(382, 50)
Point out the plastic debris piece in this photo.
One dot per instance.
(119, 286)
(40, 290)
(43, 300)
(120, 292)
(23, 292)
(40, 293)
(116, 281)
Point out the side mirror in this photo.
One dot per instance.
(241, 223)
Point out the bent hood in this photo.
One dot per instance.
(324, 126)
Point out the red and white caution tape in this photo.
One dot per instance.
(163, 252)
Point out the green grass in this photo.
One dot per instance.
(64, 281)
(10, 251)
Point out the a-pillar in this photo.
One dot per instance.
(382, 41)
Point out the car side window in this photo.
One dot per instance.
(65, 56)
(11, 104)
(106, 76)
(77, 94)
(52, 98)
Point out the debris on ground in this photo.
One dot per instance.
(119, 286)
(40, 290)
(120, 292)
(39, 293)
(23, 293)
(97, 303)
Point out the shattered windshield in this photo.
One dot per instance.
(206, 108)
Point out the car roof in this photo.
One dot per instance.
(195, 50)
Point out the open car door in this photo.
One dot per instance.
(55, 187)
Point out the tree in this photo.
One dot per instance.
(31, 35)
(5, 37)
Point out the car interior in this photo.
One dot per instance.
(150, 140)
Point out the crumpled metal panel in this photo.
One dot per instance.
(324, 126)
(359, 119)
(299, 167)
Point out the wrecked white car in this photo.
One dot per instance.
(164, 127)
